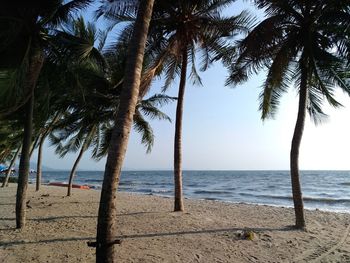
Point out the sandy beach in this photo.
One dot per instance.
(59, 227)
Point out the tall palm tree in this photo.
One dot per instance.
(106, 225)
(26, 36)
(181, 30)
(294, 44)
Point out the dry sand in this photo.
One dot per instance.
(59, 227)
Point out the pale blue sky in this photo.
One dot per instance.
(222, 130)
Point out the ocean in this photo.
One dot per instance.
(324, 190)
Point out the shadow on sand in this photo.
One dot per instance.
(149, 235)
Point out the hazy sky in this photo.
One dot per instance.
(222, 130)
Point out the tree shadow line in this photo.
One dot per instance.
(151, 235)
(53, 218)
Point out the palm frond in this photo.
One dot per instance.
(143, 127)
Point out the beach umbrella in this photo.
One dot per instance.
(3, 168)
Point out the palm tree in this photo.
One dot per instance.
(89, 127)
(45, 131)
(182, 29)
(294, 44)
(26, 37)
(93, 99)
(75, 48)
(106, 224)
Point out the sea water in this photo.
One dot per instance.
(324, 190)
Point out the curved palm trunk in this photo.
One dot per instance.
(38, 165)
(36, 62)
(74, 168)
(8, 173)
(107, 214)
(178, 202)
(294, 153)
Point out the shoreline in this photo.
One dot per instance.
(220, 201)
(58, 228)
(327, 191)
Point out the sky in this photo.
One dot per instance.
(222, 130)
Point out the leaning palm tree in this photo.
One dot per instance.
(79, 137)
(94, 97)
(295, 45)
(106, 226)
(86, 128)
(74, 50)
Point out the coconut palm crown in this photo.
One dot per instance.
(295, 45)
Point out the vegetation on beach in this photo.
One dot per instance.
(59, 79)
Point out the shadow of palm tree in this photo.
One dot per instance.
(54, 218)
(141, 213)
(149, 235)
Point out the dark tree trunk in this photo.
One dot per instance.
(178, 202)
(23, 171)
(107, 214)
(294, 153)
(38, 165)
(74, 168)
(35, 65)
(8, 173)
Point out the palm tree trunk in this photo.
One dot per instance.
(41, 143)
(8, 173)
(38, 165)
(107, 214)
(178, 202)
(23, 171)
(74, 168)
(35, 65)
(294, 153)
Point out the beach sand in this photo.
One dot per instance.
(59, 227)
